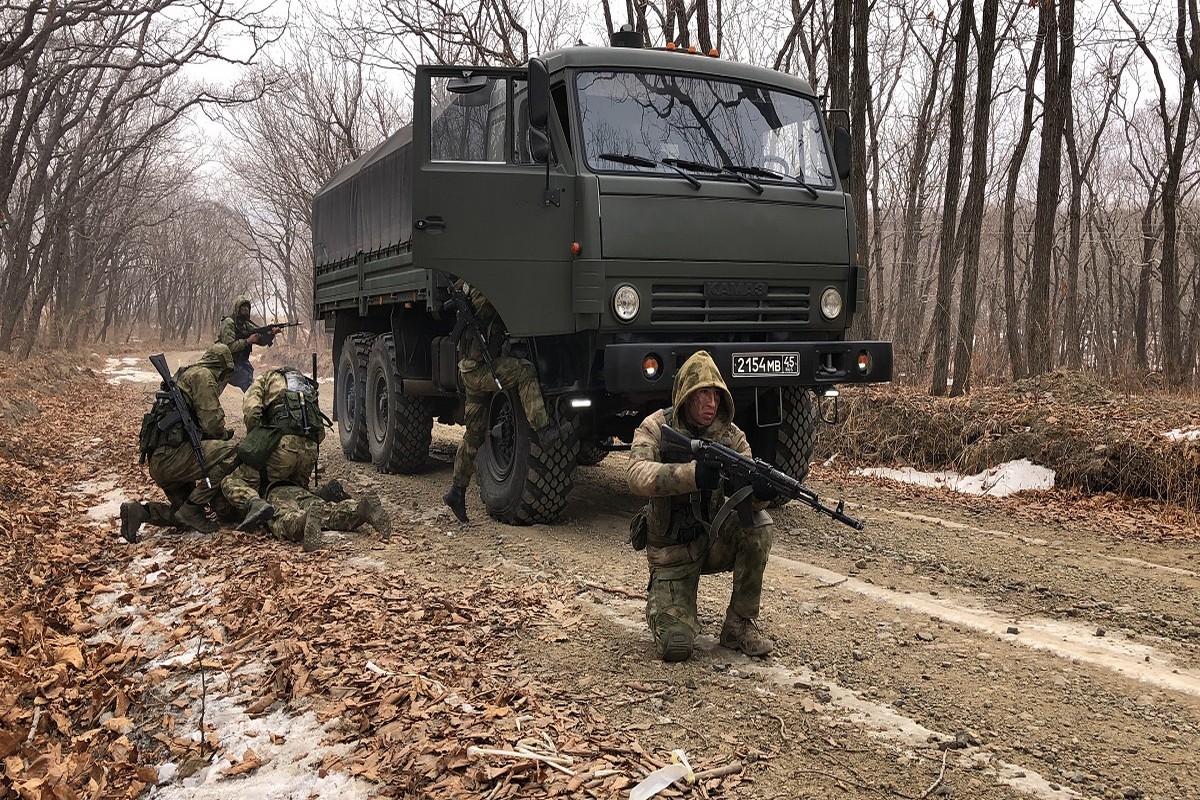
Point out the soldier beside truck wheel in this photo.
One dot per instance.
(480, 371)
(674, 525)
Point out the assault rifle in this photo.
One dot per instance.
(678, 448)
(182, 414)
(266, 335)
(465, 318)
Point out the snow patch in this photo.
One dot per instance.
(1188, 434)
(127, 370)
(291, 749)
(1005, 479)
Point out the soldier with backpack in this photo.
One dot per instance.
(190, 479)
(284, 429)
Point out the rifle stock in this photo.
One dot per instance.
(172, 392)
(677, 448)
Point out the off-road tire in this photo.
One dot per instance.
(399, 426)
(590, 454)
(520, 482)
(795, 438)
(349, 393)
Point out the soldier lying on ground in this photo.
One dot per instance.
(171, 458)
(284, 429)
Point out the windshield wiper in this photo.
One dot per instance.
(638, 161)
(770, 173)
(700, 166)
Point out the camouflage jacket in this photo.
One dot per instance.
(234, 331)
(671, 488)
(469, 350)
(201, 387)
(266, 390)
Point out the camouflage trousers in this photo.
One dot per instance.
(292, 461)
(675, 578)
(178, 473)
(291, 502)
(514, 373)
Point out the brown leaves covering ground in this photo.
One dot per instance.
(412, 673)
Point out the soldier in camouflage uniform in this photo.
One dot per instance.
(172, 461)
(235, 332)
(479, 382)
(674, 524)
(284, 428)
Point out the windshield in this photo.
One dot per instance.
(646, 116)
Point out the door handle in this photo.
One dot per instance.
(432, 225)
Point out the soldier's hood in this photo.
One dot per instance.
(700, 372)
(237, 303)
(217, 358)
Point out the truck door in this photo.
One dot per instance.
(481, 209)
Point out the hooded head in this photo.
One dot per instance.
(697, 373)
(219, 360)
(241, 307)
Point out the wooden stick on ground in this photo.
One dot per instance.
(555, 762)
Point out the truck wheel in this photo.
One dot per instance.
(349, 393)
(789, 445)
(592, 454)
(399, 426)
(520, 482)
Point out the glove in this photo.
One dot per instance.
(764, 491)
(708, 476)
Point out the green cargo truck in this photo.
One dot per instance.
(622, 207)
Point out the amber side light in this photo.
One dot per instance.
(576, 248)
(670, 45)
(714, 53)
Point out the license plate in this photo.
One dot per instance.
(758, 365)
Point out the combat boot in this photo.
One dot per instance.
(313, 540)
(259, 513)
(456, 498)
(677, 645)
(742, 633)
(192, 516)
(370, 510)
(133, 516)
(331, 491)
(548, 436)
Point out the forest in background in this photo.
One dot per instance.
(1024, 174)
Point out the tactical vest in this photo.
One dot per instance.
(152, 436)
(295, 411)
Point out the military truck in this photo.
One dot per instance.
(622, 207)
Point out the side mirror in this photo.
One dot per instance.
(539, 146)
(539, 94)
(842, 146)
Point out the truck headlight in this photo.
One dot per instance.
(831, 303)
(626, 303)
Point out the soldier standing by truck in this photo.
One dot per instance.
(684, 534)
(239, 333)
(484, 370)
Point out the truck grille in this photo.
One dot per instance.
(684, 304)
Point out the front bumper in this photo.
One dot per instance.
(750, 365)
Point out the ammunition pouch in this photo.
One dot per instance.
(255, 450)
(639, 529)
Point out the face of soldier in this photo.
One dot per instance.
(244, 311)
(701, 406)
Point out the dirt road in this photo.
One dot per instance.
(953, 649)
